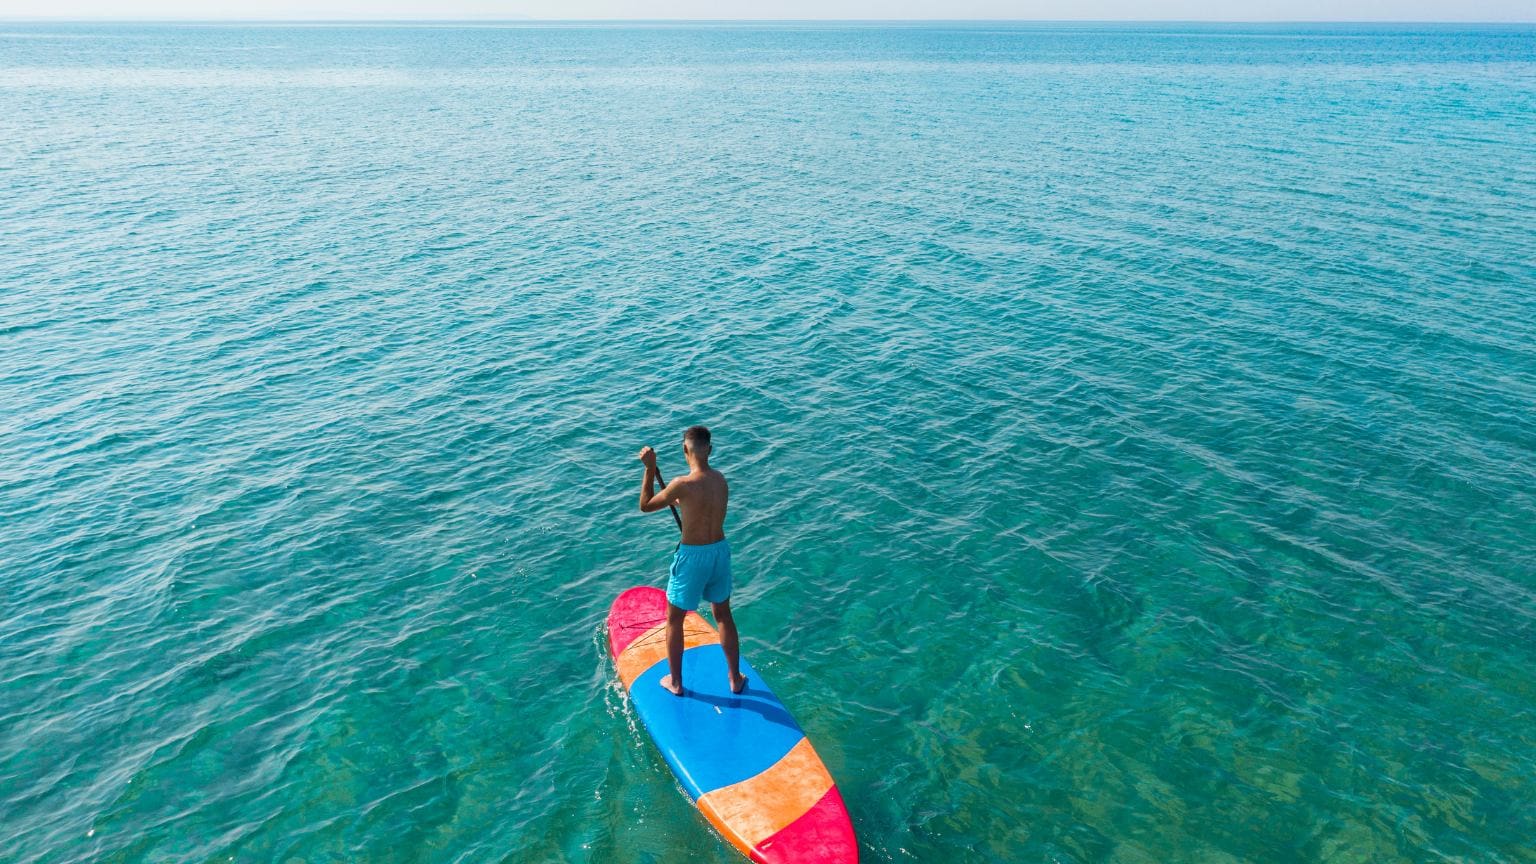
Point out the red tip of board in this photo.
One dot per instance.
(635, 611)
(823, 835)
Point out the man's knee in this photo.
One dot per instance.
(722, 610)
(676, 614)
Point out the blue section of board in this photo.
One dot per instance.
(710, 736)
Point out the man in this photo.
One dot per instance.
(701, 569)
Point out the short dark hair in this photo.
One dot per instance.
(697, 435)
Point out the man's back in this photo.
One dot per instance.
(701, 500)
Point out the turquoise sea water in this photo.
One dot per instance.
(1130, 427)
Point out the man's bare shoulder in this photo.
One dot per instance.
(705, 480)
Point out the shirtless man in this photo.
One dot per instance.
(702, 567)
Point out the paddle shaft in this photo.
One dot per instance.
(675, 518)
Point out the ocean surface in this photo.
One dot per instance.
(1132, 432)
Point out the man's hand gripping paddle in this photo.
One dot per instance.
(663, 481)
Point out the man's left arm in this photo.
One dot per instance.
(650, 503)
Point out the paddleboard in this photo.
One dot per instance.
(741, 757)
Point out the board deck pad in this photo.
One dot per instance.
(741, 757)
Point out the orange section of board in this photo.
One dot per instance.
(651, 646)
(755, 809)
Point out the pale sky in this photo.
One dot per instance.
(1185, 10)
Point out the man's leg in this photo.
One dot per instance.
(729, 643)
(674, 682)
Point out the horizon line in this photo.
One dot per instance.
(532, 20)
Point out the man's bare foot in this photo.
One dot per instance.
(674, 689)
(738, 683)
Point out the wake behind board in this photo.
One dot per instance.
(741, 757)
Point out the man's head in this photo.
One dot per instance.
(696, 441)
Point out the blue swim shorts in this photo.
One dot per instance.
(700, 572)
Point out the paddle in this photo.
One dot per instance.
(675, 518)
